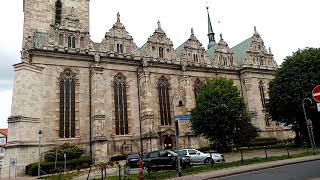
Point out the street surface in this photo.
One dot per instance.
(300, 171)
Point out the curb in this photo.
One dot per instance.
(248, 168)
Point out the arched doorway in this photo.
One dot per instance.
(167, 142)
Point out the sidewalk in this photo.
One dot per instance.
(246, 168)
(235, 156)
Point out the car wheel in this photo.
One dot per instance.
(208, 161)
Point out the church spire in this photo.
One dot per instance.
(212, 41)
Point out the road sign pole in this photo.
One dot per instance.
(305, 116)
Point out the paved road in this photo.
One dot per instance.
(301, 171)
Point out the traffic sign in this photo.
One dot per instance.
(183, 117)
(318, 107)
(13, 162)
(316, 93)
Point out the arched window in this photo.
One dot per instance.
(161, 52)
(71, 42)
(261, 89)
(196, 87)
(58, 11)
(164, 103)
(195, 58)
(121, 48)
(67, 105)
(120, 104)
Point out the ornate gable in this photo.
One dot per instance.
(191, 52)
(223, 57)
(118, 42)
(257, 54)
(158, 47)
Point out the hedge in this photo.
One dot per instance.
(119, 157)
(48, 167)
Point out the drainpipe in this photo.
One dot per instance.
(90, 114)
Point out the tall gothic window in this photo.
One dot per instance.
(263, 99)
(67, 105)
(196, 87)
(164, 102)
(58, 11)
(120, 101)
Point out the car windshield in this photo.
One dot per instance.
(172, 152)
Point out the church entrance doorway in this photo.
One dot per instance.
(167, 142)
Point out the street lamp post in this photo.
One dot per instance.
(39, 173)
(305, 116)
(177, 136)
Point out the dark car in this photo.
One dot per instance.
(132, 160)
(164, 159)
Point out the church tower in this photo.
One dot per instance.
(42, 15)
(212, 41)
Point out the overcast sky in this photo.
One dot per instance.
(285, 25)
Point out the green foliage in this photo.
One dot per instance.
(294, 81)
(48, 167)
(72, 151)
(118, 157)
(220, 115)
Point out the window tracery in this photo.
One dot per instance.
(164, 103)
(120, 102)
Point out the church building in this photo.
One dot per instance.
(112, 97)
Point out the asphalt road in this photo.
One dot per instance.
(301, 171)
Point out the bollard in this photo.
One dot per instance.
(288, 151)
(241, 155)
(119, 167)
(265, 151)
(140, 165)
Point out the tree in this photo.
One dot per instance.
(220, 115)
(294, 81)
(72, 151)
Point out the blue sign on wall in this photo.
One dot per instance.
(183, 117)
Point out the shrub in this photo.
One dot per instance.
(72, 151)
(48, 167)
(263, 141)
(119, 157)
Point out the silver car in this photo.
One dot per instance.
(198, 157)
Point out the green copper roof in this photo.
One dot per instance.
(240, 50)
(210, 52)
(141, 50)
(179, 49)
(210, 32)
(96, 45)
(209, 25)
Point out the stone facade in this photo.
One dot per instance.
(99, 71)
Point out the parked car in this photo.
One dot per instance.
(132, 160)
(198, 157)
(164, 159)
